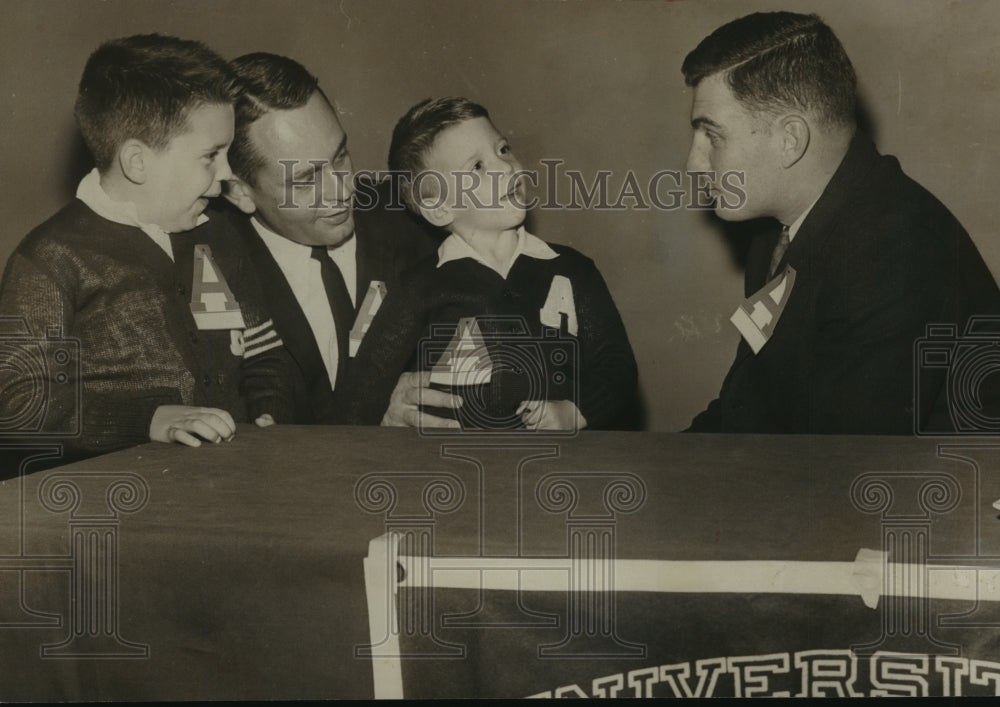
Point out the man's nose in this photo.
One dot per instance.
(696, 161)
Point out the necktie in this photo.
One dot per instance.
(340, 304)
(779, 253)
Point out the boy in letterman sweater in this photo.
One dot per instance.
(525, 331)
(140, 328)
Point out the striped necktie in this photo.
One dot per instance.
(779, 253)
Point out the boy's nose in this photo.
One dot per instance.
(223, 172)
(510, 164)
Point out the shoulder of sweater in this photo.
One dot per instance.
(570, 256)
(73, 227)
(422, 271)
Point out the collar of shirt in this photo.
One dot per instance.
(91, 193)
(295, 259)
(794, 228)
(454, 247)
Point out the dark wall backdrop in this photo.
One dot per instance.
(594, 83)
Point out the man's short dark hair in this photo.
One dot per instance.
(779, 61)
(268, 82)
(416, 131)
(144, 87)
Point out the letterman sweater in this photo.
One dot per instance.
(416, 322)
(100, 333)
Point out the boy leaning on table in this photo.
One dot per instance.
(492, 288)
(165, 334)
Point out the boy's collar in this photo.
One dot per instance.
(454, 247)
(91, 193)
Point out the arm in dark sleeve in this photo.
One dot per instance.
(266, 381)
(86, 420)
(608, 372)
(708, 420)
(267, 368)
(879, 298)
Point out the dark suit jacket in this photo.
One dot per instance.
(877, 259)
(389, 240)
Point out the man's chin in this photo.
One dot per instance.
(732, 214)
(337, 234)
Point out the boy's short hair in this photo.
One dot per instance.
(415, 133)
(144, 87)
(776, 61)
(268, 82)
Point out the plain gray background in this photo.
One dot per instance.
(596, 84)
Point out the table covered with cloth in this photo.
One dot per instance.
(336, 562)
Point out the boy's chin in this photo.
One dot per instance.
(184, 223)
(520, 219)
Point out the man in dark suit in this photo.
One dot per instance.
(860, 261)
(319, 241)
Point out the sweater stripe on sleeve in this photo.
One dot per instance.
(261, 338)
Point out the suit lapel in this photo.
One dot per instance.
(289, 320)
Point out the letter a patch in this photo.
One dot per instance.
(369, 308)
(466, 361)
(559, 305)
(212, 302)
(757, 316)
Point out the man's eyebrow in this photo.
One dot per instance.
(314, 165)
(702, 121)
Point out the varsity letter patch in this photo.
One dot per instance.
(465, 361)
(212, 302)
(757, 316)
(558, 303)
(369, 308)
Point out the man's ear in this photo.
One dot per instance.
(238, 193)
(437, 213)
(132, 160)
(795, 136)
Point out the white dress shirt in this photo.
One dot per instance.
(304, 277)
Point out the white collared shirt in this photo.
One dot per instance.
(91, 193)
(454, 247)
(304, 277)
